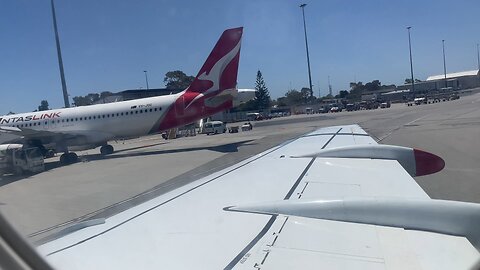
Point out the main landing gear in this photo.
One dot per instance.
(68, 158)
(49, 153)
(106, 149)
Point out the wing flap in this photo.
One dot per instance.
(360, 177)
(305, 243)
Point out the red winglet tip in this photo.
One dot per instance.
(427, 163)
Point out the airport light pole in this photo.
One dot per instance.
(306, 46)
(444, 63)
(60, 61)
(478, 57)
(411, 63)
(146, 78)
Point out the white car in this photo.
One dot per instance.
(214, 127)
(246, 127)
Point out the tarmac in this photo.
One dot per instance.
(143, 168)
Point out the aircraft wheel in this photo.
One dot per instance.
(72, 157)
(106, 149)
(63, 159)
(50, 153)
(68, 158)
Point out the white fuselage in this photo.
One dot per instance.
(95, 124)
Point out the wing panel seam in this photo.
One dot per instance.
(274, 217)
(169, 200)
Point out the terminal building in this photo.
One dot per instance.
(458, 80)
(436, 84)
(455, 81)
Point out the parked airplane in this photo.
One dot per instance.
(63, 130)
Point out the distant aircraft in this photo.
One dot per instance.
(64, 130)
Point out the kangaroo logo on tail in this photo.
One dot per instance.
(221, 67)
(218, 73)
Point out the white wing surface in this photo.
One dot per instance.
(191, 228)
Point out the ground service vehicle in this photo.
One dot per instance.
(18, 160)
(214, 127)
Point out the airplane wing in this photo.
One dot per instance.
(315, 202)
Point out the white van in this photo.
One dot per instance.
(214, 127)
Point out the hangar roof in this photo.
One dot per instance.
(454, 75)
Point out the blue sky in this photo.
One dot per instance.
(106, 44)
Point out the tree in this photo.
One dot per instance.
(342, 94)
(293, 97)
(177, 80)
(356, 90)
(80, 101)
(373, 86)
(86, 100)
(306, 94)
(105, 94)
(282, 101)
(43, 106)
(92, 98)
(262, 97)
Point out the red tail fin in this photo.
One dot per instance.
(221, 67)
